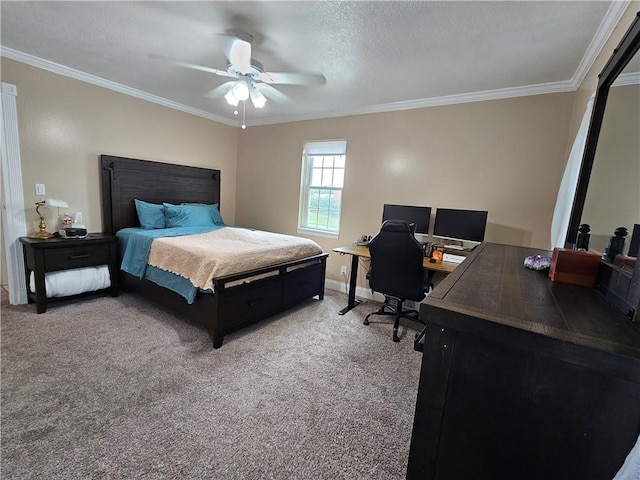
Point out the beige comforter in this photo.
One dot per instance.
(205, 256)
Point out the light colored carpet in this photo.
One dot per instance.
(116, 388)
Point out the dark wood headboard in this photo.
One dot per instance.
(125, 179)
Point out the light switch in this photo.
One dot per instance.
(40, 189)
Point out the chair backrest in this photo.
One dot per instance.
(396, 262)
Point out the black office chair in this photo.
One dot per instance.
(396, 271)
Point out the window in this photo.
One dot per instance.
(323, 166)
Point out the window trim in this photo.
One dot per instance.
(318, 149)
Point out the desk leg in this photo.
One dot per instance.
(352, 286)
(430, 274)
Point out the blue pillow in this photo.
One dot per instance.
(215, 212)
(150, 215)
(187, 215)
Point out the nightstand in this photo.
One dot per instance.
(44, 256)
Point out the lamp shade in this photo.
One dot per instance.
(54, 202)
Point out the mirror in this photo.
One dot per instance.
(613, 196)
(607, 194)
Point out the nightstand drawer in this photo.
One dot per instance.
(75, 257)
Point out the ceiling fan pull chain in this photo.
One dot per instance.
(244, 107)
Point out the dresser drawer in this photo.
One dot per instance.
(75, 257)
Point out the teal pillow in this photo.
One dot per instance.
(150, 215)
(187, 215)
(215, 212)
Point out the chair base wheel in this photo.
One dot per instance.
(398, 312)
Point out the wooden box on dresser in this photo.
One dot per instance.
(522, 377)
(55, 254)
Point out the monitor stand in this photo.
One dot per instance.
(460, 246)
(454, 246)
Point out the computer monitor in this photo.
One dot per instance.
(460, 225)
(419, 216)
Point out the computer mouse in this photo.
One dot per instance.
(432, 260)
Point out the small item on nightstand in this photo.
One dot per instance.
(73, 232)
(75, 229)
(616, 243)
(67, 220)
(583, 237)
(437, 255)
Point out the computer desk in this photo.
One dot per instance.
(357, 251)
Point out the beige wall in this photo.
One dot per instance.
(65, 124)
(504, 156)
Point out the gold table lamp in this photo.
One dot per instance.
(42, 227)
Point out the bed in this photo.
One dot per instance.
(240, 299)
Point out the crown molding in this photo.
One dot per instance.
(608, 24)
(624, 79)
(108, 84)
(482, 96)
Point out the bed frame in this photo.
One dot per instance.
(239, 299)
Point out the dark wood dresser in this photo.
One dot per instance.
(523, 378)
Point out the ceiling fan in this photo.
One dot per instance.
(250, 81)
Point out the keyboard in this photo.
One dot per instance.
(454, 247)
(450, 257)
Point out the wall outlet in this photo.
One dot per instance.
(343, 270)
(40, 190)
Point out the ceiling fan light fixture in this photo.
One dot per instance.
(257, 98)
(241, 90)
(231, 98)
(259, 103)
(248, 79)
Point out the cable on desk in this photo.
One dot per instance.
(347, 280)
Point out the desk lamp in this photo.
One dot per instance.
(42, 227)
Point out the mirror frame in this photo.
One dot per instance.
(626, 49)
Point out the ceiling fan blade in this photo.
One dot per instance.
(220, 90)
(271, 92)
(284, 78)
(193, 66)
(222, 73)
(257, 98)
(240, 56)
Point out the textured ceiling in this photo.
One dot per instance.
(376, 56)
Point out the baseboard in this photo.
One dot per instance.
(366, 293)
(360, 291)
